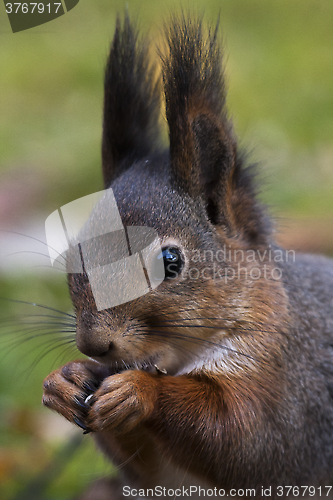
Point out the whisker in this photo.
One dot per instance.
(186, 350)
(192, 308)
(202, 318)
(38, 305)
(188, 326)
(21, 317)
(35, 253)
(13, 327)
(239, 327)
(21, 341)
(26, 329)
(33, 238)
(217, 327)
(62, 355)
(45, 353)
(40, 266)
(197, 340)
(42, 351)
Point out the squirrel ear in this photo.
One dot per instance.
(203, 151)
(131, 103)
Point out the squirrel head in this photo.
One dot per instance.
(198, 195)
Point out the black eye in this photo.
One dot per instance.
(173, 262)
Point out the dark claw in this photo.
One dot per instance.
(81, 424)
(81, 403)
(90, 386)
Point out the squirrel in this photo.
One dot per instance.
(221, 376)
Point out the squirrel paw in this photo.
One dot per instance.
(123, 401)
(67, 389)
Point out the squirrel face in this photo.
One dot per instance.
(192, 316)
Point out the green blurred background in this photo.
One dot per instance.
(279, 67)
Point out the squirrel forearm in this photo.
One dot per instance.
(222, 432)
(192, 420)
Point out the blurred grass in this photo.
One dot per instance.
(279, 67)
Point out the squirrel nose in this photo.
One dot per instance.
(92, 346)
(89, 340)
(93, 350)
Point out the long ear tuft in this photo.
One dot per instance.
(131, 103)
(203, 150)
(195, 102)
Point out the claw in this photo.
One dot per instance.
(161, 370)
(82, 425)
(81, 403)
(91, 386)
(88, 401)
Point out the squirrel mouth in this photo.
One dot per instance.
(150, 366)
